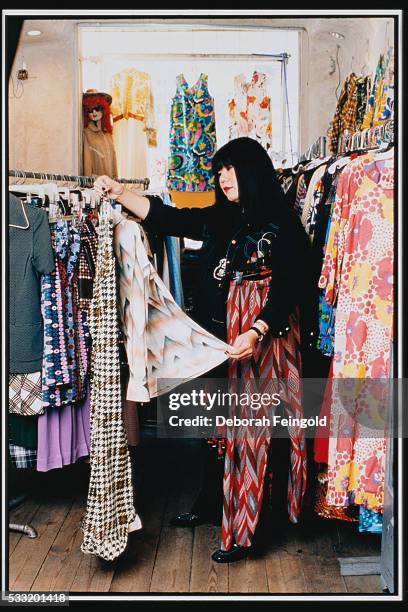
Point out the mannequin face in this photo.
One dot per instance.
(229, 183)
(95, 114)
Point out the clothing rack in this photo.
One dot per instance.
(369, 138)
(317, 149)
(238, 57)
(81, 181)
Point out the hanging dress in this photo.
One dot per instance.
(192, 137)
(110, 511)
(250, 110)
(358, 273)
(134, 122)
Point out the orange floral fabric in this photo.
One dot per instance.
(250, 111)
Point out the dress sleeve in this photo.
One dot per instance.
(166, 220)
(43, 255)
(334, 251)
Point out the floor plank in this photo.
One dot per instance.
(29, 554)
(22, 515)
(330, 566)
(248, 576)
(134, 568)
(283, 564)
(206, 575)
(61, 564)
(171, 573)
(311, 563)
(363, 584)
(94, 575)
(291, 558)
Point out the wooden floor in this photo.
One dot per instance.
(162, 559)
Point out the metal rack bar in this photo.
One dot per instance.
(85, 181)
(278, 57)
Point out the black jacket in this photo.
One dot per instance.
(215, 226)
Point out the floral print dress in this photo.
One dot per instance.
(250, 111)
(358, 273)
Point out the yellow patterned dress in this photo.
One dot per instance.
(134, 123)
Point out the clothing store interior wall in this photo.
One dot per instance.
(46, 108)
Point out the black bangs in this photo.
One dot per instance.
(261, 198)
(221, 162)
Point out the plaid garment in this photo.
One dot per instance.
(21, 457)
(87, 264)
(25, 394)
(345, 115)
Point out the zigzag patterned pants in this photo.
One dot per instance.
(275, 368)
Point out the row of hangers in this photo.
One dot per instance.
(369, 138)
(379, 137)
(74, 195)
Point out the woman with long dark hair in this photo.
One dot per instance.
(253, 268)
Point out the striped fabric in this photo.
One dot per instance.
(275, 368)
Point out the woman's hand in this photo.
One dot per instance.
(244, 345)
(138, 205)
(105, 186)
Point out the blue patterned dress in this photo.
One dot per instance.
(192, 137)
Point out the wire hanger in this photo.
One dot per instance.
(27, 225)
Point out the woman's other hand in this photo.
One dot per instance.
(105, 186)
(244, 345)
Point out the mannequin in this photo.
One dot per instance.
(99, 156)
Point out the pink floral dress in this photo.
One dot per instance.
(358, 273)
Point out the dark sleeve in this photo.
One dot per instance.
(43, 255)
(289, 271)
(171, 221)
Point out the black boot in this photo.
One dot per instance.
(236, 553)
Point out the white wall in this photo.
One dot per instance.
(44, 122)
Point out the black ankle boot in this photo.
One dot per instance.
(236, 553)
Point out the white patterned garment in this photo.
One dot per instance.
(164, 346)
(250, 111)
(110, 514)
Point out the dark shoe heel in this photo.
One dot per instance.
(236, 553)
